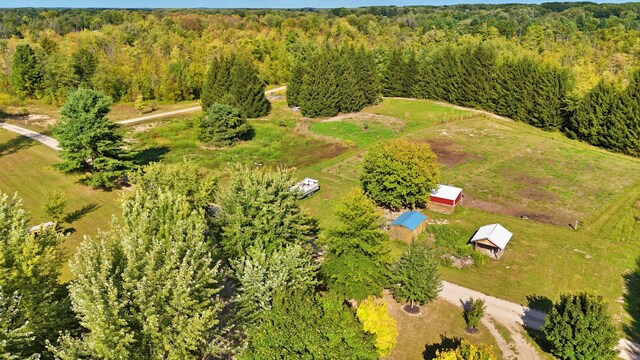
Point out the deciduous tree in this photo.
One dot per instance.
(258, 209)
(357, 248)
(305, 326)
(415, 275)
(30, 267)
(399, 173)
(467, 351)
(375, 318)
(147, 289)
(579, 327)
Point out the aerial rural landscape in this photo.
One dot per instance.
(450, 182)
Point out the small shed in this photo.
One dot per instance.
(408, 226)
(491, 240)
(445, 198)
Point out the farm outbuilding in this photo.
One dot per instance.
(408, 226)
(491, 240)
(445, 198)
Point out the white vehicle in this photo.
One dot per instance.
(305, 187)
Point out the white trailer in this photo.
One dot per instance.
(306, 187)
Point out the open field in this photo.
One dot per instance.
(440, 326)
(273, 143)
(509, 170)
(26, 169)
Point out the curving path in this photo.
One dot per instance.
(44, 139)
(513, 315)
(53, 143)
(181, 111)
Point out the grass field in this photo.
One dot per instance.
(509, 170)
(26, 169)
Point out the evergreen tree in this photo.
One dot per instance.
(320, 91)
(54, 205)
(579, 327)
(294, 84)
(84, 63)
(303, 326)
(416, 276)
(399, 173)
(147, 289)
(26, 72)
(89, 141)
(393, 76)
(247, 90)
(217, 84)
(356, 262)
(258, 209)
(29, 271)
(222, 125)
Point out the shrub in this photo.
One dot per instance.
(375, 318)
(222, 125)
(473, 312)
(467, 351)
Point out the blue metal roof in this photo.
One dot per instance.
(411, 220)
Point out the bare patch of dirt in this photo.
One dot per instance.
(448, 154)
(33, 119)
(144, 127)
(517, 210)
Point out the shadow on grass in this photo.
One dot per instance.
(539, 338)
(445, 343)
(16, 144)
(80, 213)
(539, 302)
(632, 302)
(149, 155)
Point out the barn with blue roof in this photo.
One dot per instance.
(408, 226)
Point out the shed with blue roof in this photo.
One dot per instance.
(408, 226)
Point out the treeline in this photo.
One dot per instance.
(164, 54)
(520, 88)
(332, 81)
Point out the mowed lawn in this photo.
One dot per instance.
(26, 168)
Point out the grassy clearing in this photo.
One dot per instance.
(359, 133)
(273, 143)
(26, 169)
(440, 326)
(124, 111)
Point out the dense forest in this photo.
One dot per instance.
(542, 64)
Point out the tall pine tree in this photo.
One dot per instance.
(247, 90)
(26, 73)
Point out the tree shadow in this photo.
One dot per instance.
(445, 343)
(539, 302)
(539, 338)
(16, 144)
(149, 155)
(632, 301)
(80, 213)
(249, 135)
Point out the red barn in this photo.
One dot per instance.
(445, 199)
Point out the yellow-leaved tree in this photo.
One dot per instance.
(375, 318)
(467, 351)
